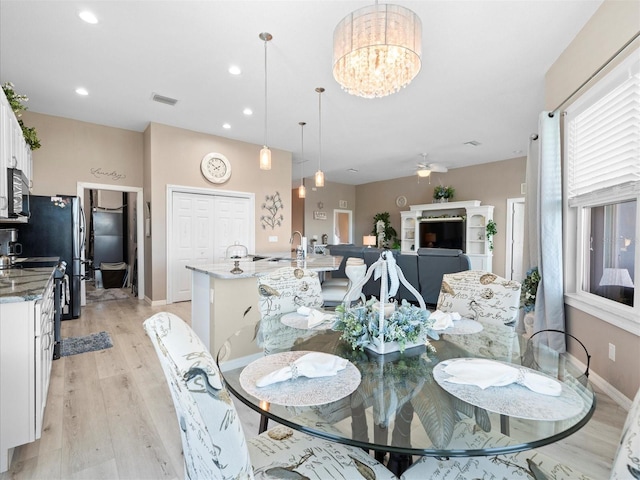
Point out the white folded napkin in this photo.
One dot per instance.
(315, 317)
(487, 373)
(312, 365)
(443, 320)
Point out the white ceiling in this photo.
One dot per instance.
(482, 77)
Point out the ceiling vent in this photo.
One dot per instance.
(473, 143)
(163, 99)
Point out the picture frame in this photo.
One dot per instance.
(319, 215)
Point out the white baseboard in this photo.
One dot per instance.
(602, 384)
(155, 303)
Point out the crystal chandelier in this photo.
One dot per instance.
(376, 50)
(302, 192)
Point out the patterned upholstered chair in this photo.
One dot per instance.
(284, 291)
(531, 463)
(213, 441)
(491, 300)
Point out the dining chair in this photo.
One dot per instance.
(334, 294)
(213, 442)
(530, 463)
(284, 291)
(492, 301)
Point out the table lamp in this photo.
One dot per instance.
(369, 240)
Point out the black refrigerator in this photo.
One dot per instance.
(57, 228)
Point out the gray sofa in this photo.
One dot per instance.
(422, 270)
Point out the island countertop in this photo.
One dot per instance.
(222, 270)
(23, 284)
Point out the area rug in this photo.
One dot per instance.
(88, 343)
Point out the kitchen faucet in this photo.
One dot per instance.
(303, 242)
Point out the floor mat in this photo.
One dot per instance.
(88, 343)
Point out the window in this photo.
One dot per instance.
(602, 179)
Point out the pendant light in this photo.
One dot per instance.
(265, 153)
(302, 192)
(319, 174)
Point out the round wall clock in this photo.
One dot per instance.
(216, 168)
(401, 201)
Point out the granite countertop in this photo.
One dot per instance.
(318, 263)
(23, 284)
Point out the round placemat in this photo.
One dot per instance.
(514, 400)
(302, 391)
(301, 322)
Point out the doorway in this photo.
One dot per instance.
(138, 266)
(342, 227)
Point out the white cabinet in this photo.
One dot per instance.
(26, 352)
(14, 151)
(475, 216)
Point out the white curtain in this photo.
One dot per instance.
(543, 227)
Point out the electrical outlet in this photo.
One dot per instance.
(612, 352)
(523, 189)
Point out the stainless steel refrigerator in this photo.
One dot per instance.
(57, 228)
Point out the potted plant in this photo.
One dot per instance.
(443, 193)
(529, 290)
(404, 327)
(492, 230)
(384, 230)
(15, 102)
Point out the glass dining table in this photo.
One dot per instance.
(400, 404)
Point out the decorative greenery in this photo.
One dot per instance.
(530, 289)
(390, 234)
(272, 205)
(440, 191)
(492, 230)
(360, 325)
(16, 103)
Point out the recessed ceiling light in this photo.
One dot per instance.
(226, 126)
(247, 111)
(88, 17)
(234, 70)
(82, 91)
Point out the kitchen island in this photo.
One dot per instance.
(26, 352)
(222, 302)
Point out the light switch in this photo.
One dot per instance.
(273, 238)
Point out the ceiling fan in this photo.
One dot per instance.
(424, 169)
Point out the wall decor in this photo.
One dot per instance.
(343, 204)
(273, 205)
(113, 175)
(319, 215)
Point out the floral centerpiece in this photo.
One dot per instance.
(407, 326)
(530, 289)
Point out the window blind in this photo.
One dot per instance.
(603, 132)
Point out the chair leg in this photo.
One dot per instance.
(504, 424)
(264, 424)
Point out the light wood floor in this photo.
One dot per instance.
(109, 414)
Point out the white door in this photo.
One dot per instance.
(192, 240)
(515, 232)
(202, 227)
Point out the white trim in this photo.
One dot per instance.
(155, 303)
(171, 189)
(602, 384)
(509, 235)
(622, 316)
(82, 186)
(350, 214)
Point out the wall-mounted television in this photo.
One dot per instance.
(443, 233)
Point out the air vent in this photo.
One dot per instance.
(473, 143)
(163, 99)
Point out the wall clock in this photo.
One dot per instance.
(401, 201)
(215, 167)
